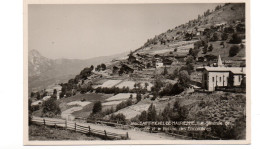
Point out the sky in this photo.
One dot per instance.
(93, 30)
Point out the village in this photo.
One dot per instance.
(196, 71)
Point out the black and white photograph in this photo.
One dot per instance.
(136, 73)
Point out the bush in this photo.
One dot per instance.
(97, 107)
(233, 51)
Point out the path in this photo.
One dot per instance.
(133, 134)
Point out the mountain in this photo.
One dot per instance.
(45, 71)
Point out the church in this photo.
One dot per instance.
(222, 76)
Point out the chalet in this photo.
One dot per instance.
(157, 56)
(131, 58)
(222, 76)
(125, 69)
(115, 69)
(201, 59)
(159, 64)
(200, 31)
(166, 61)
(180, 58)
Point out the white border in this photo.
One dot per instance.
(248, 107)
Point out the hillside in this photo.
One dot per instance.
(184, 36)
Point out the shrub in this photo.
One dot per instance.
(233, 51)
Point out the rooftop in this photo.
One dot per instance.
(234, 70)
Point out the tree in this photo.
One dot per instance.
(184, 78)
(222, 44)
(29, 111)
(233, 51)
(97, 107)
(175, 74)
(98, 68)
(143, 116)
(54, 92)
(224, 36)
(38, 95)
(151, 114)
(138, 97)
(103, 67)
(146, 85)
(119, 117)
(189, 60)
(85, 73)
(166, 114)
(92, 67)
(165, 72)
(214, 37)
(210, 47)
(235, 39)
(50, 108)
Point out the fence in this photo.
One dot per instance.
(69, 125)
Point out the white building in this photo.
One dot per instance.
(222, 76)
(159, 64)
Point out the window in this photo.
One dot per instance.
(219, 79)
(212, 79)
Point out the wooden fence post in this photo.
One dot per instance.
(105, 134)
(55, 125)
(44, 122)
(66, 124)
(127, 136)
(75, 127)
(89, 130)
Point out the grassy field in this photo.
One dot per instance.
(37, 132)
(86, 110)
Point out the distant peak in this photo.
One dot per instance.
(34, 53)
